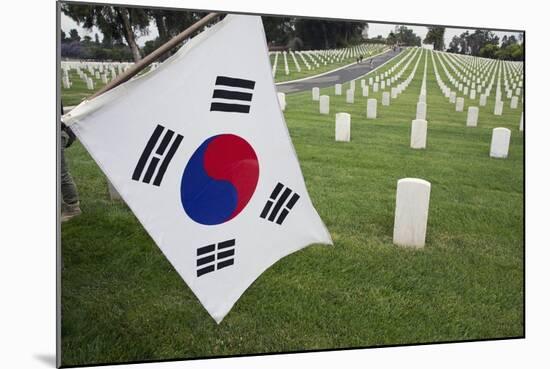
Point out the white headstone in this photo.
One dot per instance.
(365, 91)
(375, 87)
(514, 102)
(452, 97)
(324, 103)
(394, 92)
(500, 142)
(349, 96)
(421, 110)
(315, 93)
(498, 107)
(472, 94)
(89, 83)
(459, 104)
(483, 100)
(419, 133)
(371, 108)
(338, 89)
(282, 100)
(471, 120)
(66, 82)
(343, 127)
(412, 203)
(385, 98)
(352, 85)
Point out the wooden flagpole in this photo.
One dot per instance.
(146, 61)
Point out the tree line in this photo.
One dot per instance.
(122, 26)
(486, 44)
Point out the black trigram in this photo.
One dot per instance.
(163, 154)
(215, 257)
(242, 95)
(279, 202)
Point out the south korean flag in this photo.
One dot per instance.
(199, 150)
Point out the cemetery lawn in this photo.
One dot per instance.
(122, 301)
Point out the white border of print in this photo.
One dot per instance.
(27, 146)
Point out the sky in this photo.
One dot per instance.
(375, 29)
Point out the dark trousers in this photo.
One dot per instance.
(68, 188)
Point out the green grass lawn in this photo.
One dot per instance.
(122, 300)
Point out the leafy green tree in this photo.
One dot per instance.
(86, 40)
(115, 23)
(169, 24)
(326, 34)
(278, 30)
(512, 51)
(454, 45)
(403, 35)
(508, 41)
(391, 39)
(436, 36)
(73, 35)
(479, 38)
(489, 51)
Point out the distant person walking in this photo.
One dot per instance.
(70, 205)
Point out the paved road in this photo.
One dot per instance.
(340, 76)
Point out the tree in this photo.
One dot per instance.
(115, 23)
(463, 42)
(436, 37)
(454, 45)
(169, 24)
(403, 35)
(87, 40)
(478, 39)
(512, 51)
(73, 35)
(489, 51)
(278, 30)
(508, 41)
(326, 34)
(391, 39)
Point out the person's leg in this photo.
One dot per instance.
(70, 206)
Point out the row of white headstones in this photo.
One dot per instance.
(321, 57)
(92, 73)
(413, 194)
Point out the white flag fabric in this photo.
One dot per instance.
(199, 150)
